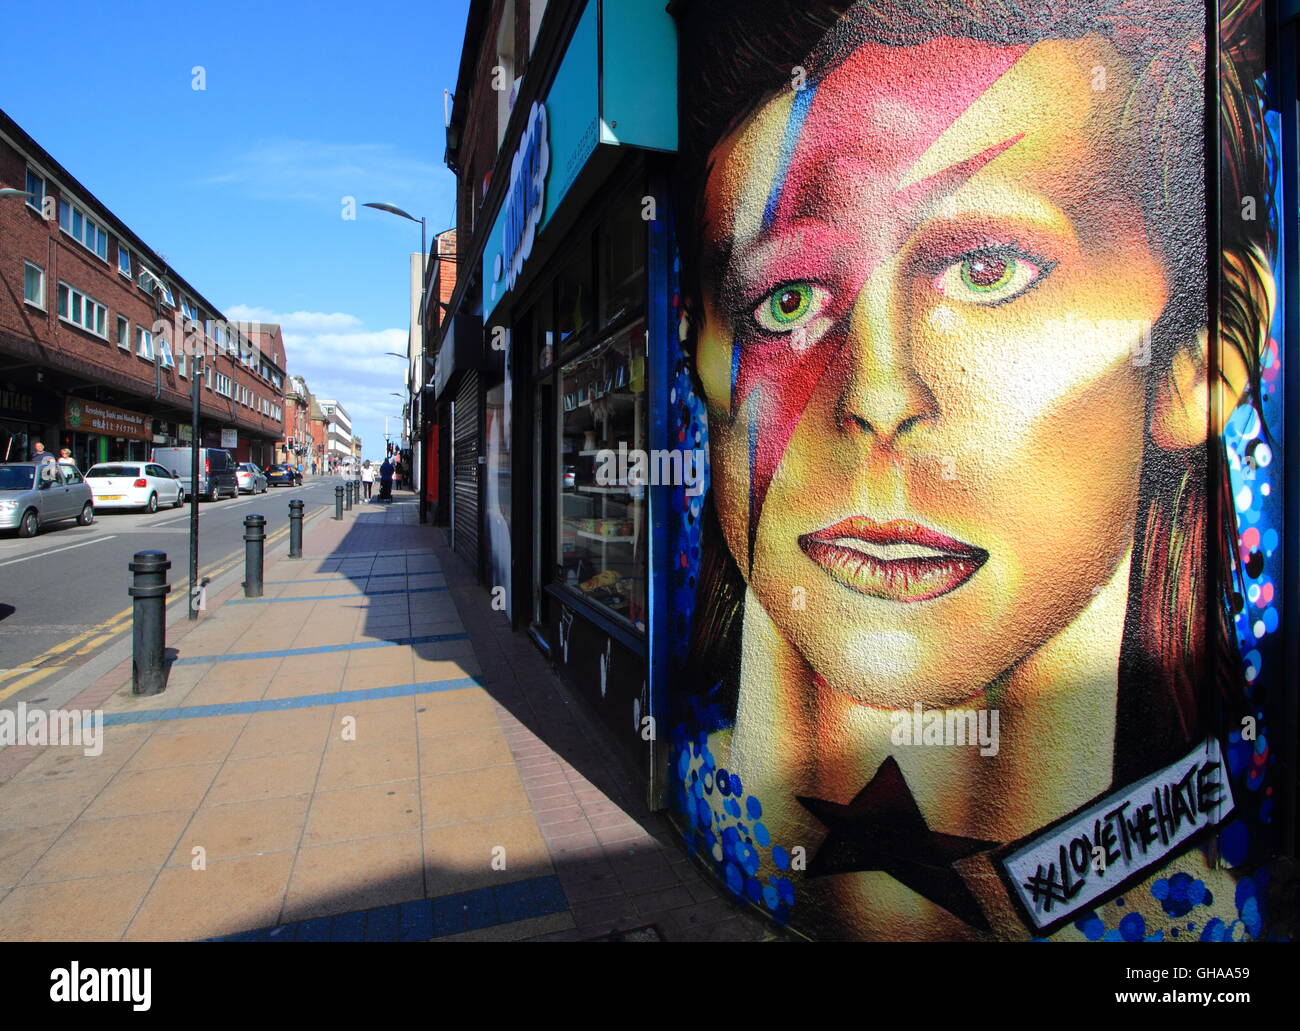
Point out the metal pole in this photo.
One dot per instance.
(347, 496)
(196, 374)
(338, 502)
(254, 545)
(295, 528)
(149, 624)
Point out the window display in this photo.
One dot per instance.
(603, 519)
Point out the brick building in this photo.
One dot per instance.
(98, 333)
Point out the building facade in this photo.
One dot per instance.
(337, 435)
(99, 335)
(880, 415)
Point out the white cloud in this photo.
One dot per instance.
(341, 359)
(317, 170)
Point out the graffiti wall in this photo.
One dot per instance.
(973, 629)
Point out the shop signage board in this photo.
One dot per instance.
(633, 45)
(95, 417)
(229, 438)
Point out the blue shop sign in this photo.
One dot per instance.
(634, 44)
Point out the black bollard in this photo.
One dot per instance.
(348, 506)
(254, 542)
(338, 502)
(149, 588)
(295, 528)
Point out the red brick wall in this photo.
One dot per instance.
(42, 337)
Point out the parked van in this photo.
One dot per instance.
(217, 468)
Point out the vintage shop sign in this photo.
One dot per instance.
(94, 417)
(1113, 842)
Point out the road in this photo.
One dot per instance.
(63, 593)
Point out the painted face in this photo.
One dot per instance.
(926, 298)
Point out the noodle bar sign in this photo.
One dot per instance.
(93, 417)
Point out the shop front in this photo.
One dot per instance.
(576, 305)
(96, 432)
(27, 414)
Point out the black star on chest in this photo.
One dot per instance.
(883, 829)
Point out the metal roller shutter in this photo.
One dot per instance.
(465, 442)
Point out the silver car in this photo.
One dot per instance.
(32, 496)
(250, 478)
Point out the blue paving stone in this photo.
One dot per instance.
(350, 927)
(382, 924)
(480, 909)
(448, 915)
(416, 921)
(317, 930)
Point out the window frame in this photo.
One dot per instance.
(36, 203)
(93, 304)
(42, 303)
(143, 343)
(122, 320)
(75, 211)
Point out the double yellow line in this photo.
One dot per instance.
(66, 653)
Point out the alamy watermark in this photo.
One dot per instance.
(79, 728)
(633, 467)
(946, 727)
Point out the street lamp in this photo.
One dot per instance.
(393, 209)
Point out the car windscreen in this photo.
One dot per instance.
(17, 477)
(103, 472)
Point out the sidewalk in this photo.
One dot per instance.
(368, 752)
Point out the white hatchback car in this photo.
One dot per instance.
(134, 485)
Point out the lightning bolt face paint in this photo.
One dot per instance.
(909, 314)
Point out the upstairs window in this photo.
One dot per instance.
(36, 187)
(124, 261)
(143, 343)
(34, 284)
(82, 228)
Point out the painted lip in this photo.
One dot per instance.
(856, 552)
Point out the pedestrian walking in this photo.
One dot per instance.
(39, 455)
(367, 478)
(386, 481)
(65, 457)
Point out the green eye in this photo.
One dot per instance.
(790, 307)
(988, 277)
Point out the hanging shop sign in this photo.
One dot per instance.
(94, 417)
(229, 438)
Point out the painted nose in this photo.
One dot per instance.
(883, 395)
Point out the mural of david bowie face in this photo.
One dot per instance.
(927, 288)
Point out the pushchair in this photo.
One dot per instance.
(385, 491)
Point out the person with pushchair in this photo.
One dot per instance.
(386, 481)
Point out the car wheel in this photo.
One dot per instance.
(30, 524)
(180, 499)
(88, 513)
(151, 506)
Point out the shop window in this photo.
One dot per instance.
(603, 525)
(34, 284)
(573, 296)
(621, 246)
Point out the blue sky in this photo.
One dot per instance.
(241, 185)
